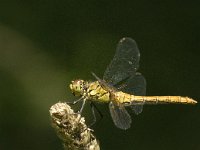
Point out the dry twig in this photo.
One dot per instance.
(71, 128)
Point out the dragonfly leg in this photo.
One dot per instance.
(101, 115)
(83, 104)
(75, 102)
(94, 116)
(93, 107)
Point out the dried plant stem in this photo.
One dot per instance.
(71, 128)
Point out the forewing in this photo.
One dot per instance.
(136, 85)
(125, 62)
(120, 116)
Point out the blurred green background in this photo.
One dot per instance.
(46, 44)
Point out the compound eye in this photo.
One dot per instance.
(81, 82)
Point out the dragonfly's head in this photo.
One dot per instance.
(78, 87)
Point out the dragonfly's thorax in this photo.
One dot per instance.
(97, 93)
(89, 90)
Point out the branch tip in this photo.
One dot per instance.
(71, 128)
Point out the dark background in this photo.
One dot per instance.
(46, 44)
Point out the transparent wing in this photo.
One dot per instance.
(120, 116)
(136, 85)
(125, 62)
(137, 109)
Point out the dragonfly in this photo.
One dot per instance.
(122, 86)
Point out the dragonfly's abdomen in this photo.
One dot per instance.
(163, 99)
(131, 99)
(96, 93)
